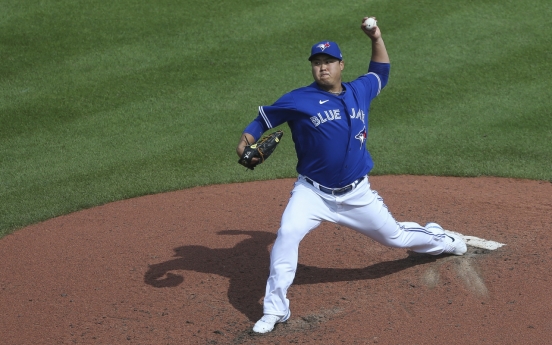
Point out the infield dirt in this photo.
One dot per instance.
(189, 267)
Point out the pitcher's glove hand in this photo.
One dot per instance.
(262, 149)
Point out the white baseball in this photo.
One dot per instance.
(370, 23)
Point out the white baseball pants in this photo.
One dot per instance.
(362, 210)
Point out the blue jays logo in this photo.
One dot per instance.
(361, 136)
(323, 46)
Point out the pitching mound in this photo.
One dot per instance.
(190, 267)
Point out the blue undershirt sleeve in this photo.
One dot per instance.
(382, 70)
(256, 128)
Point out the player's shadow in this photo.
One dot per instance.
(246, 265)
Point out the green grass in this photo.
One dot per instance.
(101, 101)
(474, 93)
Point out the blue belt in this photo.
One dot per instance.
(335, 191)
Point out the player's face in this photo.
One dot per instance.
(326, 70)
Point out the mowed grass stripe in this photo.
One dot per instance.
(103, 101)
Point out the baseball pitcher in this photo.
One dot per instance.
(328, 120)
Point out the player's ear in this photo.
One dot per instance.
(342, 64)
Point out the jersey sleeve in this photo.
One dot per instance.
(281, 111)
(272, 116)
(375, 80)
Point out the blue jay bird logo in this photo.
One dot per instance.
(361, 136)
(323, 46)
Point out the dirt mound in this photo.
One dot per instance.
(188, 268)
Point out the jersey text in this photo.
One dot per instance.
(329, 115)
(357, 114)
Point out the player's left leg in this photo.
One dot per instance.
(366, 213)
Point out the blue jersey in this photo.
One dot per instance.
(329, 131)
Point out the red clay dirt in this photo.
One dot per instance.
(189, 267)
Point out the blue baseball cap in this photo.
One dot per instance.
(326, 47)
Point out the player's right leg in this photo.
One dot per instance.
(304, 212)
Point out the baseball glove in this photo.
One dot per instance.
(262, 149)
